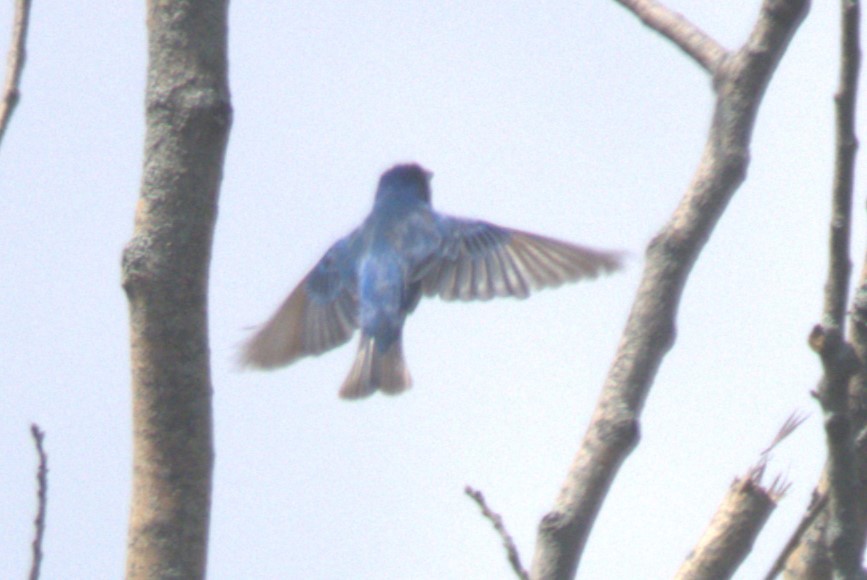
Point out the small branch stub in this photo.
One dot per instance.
(732, 531)
(739, 519)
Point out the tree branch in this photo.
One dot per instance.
(816, 506)
(740, 82)
(497, 520)
(165, 276)
(834, 540)
(41, 500)
(15, 64)
(840, 364)
(733, 529)
(739, 519)
(837, 286)
(703, 49)
(805, 555)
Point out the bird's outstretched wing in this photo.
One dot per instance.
(320, 313)
(479, 260)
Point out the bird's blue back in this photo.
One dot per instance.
(398, 237)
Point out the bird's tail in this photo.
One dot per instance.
(375, 368)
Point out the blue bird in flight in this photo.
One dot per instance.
(374, 277)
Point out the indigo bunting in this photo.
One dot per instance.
(374, 277)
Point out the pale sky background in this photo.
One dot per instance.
(568, 119)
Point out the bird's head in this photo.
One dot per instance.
(405, 182)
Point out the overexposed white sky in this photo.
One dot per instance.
(568, 119)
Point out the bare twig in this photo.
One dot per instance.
(41, 499)
(497, 520)
(686, 35)
(15, 64)
(740, 80)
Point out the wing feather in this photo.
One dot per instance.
(478, 260)
(321, 313)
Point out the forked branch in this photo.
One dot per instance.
(740, 79)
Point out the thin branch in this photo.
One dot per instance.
(497, 520)
(41, 499)
(808, 539)
(703, 49)
(839, 268)
(739, 81)
(818, 504)
(15, 64)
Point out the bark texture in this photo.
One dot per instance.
(165, 276)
